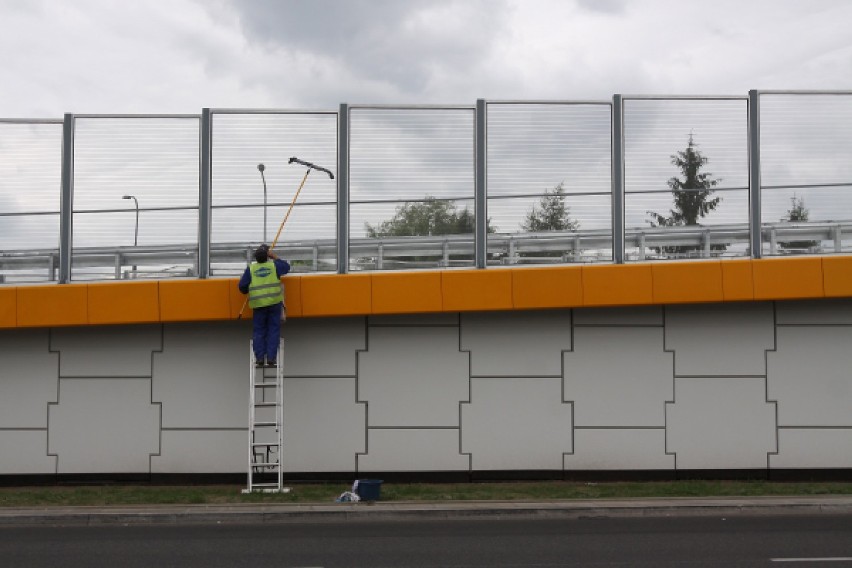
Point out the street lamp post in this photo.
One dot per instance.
(260, 168)
(136, 229)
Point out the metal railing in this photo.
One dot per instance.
(448, 251)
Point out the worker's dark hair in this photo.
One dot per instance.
(262, 253)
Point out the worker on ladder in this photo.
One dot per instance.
(262, 282)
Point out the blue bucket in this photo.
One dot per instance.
(369, 489)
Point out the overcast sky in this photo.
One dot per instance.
(177, 56)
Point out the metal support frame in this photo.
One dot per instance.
(480, 184)
(343, 189)
(756, 241)
(204, 192)
(66, 202)
(617, 179)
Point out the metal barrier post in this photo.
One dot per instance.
(756, 242)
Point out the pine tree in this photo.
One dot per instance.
(551, 214)
(797, 213)
(692, 195)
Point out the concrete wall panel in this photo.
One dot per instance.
(720, 339)
(810, 375)
(413, 377)
(210, 451)
(512, 344)
(720, 424)
(516, 423)
(618, 376)
(324, 427)
(104, 426)
(25, 452)
(322, 347)
(201, 377)
(413, 450)
(28, 378)
(106, 351)
(614, 449)
(813, 448)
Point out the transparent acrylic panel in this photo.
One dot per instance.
(806, 173)
(697, 208)
(820, 221)
(30, 168)
(31, 248)
(166, 244)
(242, 141)
(30, 193)
(398, 154)
(437, 233)
(534, 147)
(121, 164)
(590, 241)
(239, 220)
(308, 238)
(549, 171)
(806, 140)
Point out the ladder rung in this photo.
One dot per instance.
(264, 485)
(265, 424)
(266, 404)
(261, 444)
(265, 464)
(259, 385)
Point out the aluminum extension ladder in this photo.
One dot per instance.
(266, 427)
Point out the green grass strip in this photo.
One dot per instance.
(326, 493)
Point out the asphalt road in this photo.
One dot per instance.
(781, 541)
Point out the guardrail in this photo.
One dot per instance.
(230, 259)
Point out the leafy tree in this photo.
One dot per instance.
(551, 213)
(429, 217)
(692, 195)
(797, 213)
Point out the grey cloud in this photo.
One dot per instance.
(397, 43)
(604, 6)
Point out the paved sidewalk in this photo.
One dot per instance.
(268, 513)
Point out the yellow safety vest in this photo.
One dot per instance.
(265, 288)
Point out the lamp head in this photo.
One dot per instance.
(260, 168)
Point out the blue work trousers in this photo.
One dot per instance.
(267, 331)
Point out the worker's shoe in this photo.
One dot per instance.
(271, 363)
(259, 364)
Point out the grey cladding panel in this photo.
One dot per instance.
(413, 377)
(810, 375)
(815, 312)
(618, 376)
(322, 347)
(641, 315)
(106, 351)
(28, 378)
(720, 339)
(512, 344)
(104, 426)
(201, 377)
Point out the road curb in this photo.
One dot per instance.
(350, 512)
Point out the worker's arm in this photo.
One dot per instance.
(245, 281)
(282, 267)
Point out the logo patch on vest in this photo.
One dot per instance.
(263, 271)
